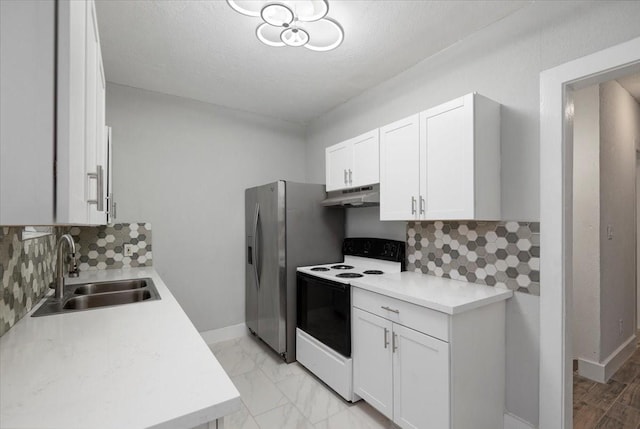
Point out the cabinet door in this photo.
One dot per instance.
(400, 169)
(420, 380)
(27, 111)
(94, 125)
(71, 206)
(448, 167)
(339, 160)
(372, 360)
(366, 159)
(98, 152)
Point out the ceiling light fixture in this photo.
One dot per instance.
(293, 23)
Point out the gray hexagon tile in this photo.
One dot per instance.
(501, 254)
(26, 269)
(102, 247)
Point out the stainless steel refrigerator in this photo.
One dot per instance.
(286, 227)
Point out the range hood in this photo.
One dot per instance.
(365, 196)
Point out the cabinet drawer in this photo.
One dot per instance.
(413, 316)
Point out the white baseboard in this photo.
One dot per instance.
(224, 334)
(513, 422)
(602, 372)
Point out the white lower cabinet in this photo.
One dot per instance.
(403, 373)
(423, 382)
(373, 375)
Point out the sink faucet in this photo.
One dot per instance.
(66, 238)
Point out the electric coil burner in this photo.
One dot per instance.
(342, 267)
(323, 337)
(349, 275)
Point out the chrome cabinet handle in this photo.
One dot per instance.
(386, 338)
(350, 177)
(100, 193)
(384, 307)
(422, 204)
(99, 176)
(394, 346)
(413, 205)
(345, 177)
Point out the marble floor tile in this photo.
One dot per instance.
(311, 397)
(257, 392)
(285, 417)
(275, 368)
(235, 359)
(240, 420)
(360, 416)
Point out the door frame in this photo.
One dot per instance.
(556, 218)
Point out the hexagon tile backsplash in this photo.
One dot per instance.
(502, 254)
(27, 267)
(102, 247)
(26, 270)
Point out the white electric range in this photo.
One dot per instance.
(323, 335)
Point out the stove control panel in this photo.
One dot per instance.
(378, 248)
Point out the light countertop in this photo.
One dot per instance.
(132, 366)
(437, 293)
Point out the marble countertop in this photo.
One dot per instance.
(132, 366)
(437, 293)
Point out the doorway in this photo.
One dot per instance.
(606, 126)
(556, 216)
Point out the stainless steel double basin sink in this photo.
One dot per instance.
(93, 295)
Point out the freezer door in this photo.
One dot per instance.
(271, 257)
(251, 283)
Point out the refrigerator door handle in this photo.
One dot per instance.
(255, 243)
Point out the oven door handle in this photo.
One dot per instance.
(255, 244)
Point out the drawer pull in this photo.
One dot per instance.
(384, 307)
(386, 338)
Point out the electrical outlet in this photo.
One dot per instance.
(610, 232)
(620, 327)
(128, 250)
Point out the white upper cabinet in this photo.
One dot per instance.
(38, 185)
(452, 170)
(27, 112)
(354, 162)
(399, 169)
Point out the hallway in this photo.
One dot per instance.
(615, 405)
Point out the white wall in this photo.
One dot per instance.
(586, 224)
(619, 129)
(183, 166)
(502, 62)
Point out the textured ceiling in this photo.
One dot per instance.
(206, 51)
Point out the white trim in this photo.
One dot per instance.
(602, 372)
(223, 334)
(556, 219)
(513, 422)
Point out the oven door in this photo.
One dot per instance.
(324, 311)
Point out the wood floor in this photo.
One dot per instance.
(615, 405)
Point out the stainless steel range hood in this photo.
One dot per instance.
(365, 196)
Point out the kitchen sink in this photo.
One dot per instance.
(89, 296)
(106, 299)
(115, 286)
